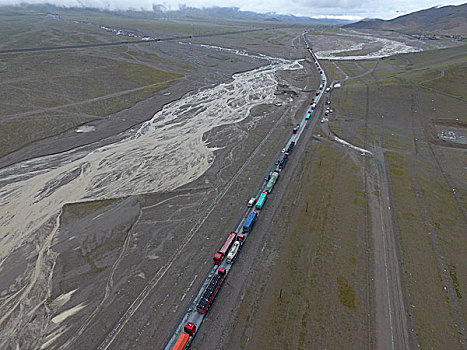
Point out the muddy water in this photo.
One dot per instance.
(165, 153)
(380, 47)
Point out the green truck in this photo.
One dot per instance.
(272, 181)
(261, 200)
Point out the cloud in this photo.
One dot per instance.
(355, 9)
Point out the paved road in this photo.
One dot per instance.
(191, 314)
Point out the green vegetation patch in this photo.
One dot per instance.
(453, 274)
(347, 295)
(16, 133)
(113, 105)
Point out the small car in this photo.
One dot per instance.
(251, 202)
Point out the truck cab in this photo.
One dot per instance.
(190, 328)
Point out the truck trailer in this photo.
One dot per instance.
(250, 221)
(291, 147)
(261, 200)
(184, 338)
(284, 160)
(272, 181)
(225, 247)
(233, 252)
(211, 291)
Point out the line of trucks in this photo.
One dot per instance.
(233, 244)
(230, 250)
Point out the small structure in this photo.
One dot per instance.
(53, 15)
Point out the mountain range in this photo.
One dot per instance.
(446, 20)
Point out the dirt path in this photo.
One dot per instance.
(389, 310)
(390, 314)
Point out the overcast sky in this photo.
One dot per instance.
(345, 9)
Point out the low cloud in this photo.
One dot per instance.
(350, 9)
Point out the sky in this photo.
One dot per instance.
(342, 9)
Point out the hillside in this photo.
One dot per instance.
(447, 20)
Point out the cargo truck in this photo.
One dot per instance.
(272, 181)
(284, 160)
(250, 221)
(291, 147)
(261, 200)
(211, 291)
(184, 338)
(225, 247)
(233, 252)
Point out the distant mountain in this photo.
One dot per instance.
(451, 20)
(206, 13)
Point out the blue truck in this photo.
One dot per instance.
(284, 161)
(250, 221)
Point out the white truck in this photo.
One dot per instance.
(233, 252)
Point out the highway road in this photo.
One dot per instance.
(191, 314)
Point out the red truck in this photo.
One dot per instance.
(211, 291)
(224, 249)
(184, 338)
